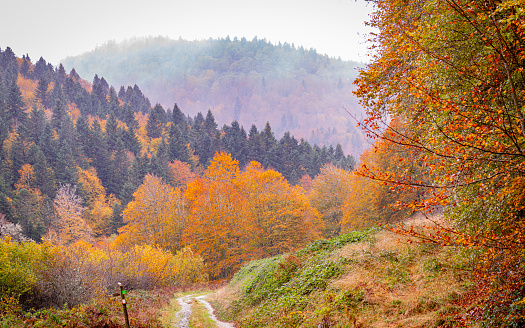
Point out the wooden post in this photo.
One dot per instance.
(124, 305)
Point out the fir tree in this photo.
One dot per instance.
(155, 122)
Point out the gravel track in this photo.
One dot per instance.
(182, 317)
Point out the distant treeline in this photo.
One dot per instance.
(251, 81)
(57, 129)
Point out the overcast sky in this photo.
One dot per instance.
(55, 29)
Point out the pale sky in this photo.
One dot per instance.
(56, 29)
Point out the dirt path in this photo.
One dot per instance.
(208, 306)
(182, 317)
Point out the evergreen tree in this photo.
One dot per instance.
(48, 144)
(256, 151)
(101, 158)
(40, 70)
(112, 132)
(15, 106)
(198, 122)
(209, 123)
(234, 142)
(128, 117)
(25, 67)
(155, 122)
(131, 141)
(44, 175)
(177, 117)
(114, 104)
(177, 146)
(118, 169)
(36, 124)
(83, 135)
(61, 74)
(66, 168)
(59, 108)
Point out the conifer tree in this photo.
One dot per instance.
(15, 106)
(66, 168)
(112, 132)
(41, 92)
(178, 117)
(155, 122)
(36, 124)
(59, 107)
(177, 147)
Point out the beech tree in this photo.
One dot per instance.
(155, 216)
(68, 226)
(329, 191)
(453, 70)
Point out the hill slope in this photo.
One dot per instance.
(362, 279)
(296, 90)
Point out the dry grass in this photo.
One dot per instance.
(200, 318)
(406, 285)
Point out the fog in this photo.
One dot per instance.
(56, 29)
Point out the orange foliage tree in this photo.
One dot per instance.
(372, 199)
(234, 216)
(219, 227)
(453, 69)
(282, 216)
(68, 226)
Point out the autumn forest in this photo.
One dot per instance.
(278, 227)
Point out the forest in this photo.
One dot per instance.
(250, 81)
(426, 229)
(93, 180)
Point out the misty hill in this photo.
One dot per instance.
(253, 82)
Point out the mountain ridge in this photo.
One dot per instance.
(295, 89)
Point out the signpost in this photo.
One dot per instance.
(122, 294)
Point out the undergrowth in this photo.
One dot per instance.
(361, 279)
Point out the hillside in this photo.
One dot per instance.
(367, 278)
(295, 89)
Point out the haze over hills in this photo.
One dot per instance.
(295, 89)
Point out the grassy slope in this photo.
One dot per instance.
(364, 279)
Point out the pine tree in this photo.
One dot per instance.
(118, 169)
(36, 124)
(100, 154)
(44, 175)
(268, 138)
(234, 142)
(131, 141)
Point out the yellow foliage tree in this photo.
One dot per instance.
(155, 216)
(99, 207)
(68, 226)
(330, 189)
